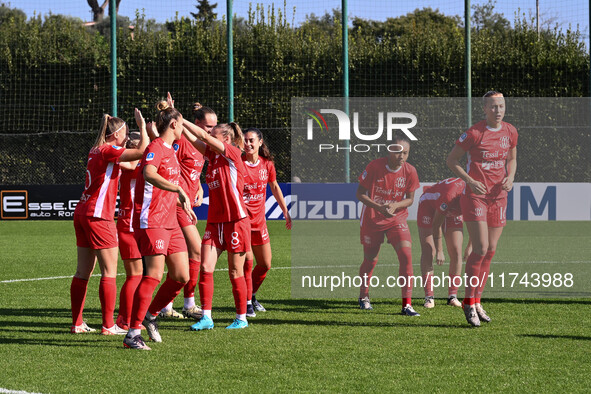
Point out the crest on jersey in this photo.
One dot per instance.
(443, 206)
(426, 220)
(400, 182)
(505, 142)
(263, 174)
(159, 244)
(463, 137)
(150, 156)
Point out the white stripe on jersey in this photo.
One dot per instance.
(468, 162)
(132, 191)
(148, 188)
(234, 178)
(100, 200)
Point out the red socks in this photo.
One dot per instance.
(166, 294)
(126, 298)
(77, 298)
(405, 270)
(206, 289)
(258, 276)
(248, 276)
(473, 265)
(108, 298)
(141, 300)
(239, 292)
(453, 286)
(483, 275)
(189, 289)
(366, 269)
(428, 284)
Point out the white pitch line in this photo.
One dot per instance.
(6, 391)
(307, 267)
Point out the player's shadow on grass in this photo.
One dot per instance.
(36, 313)
(66, 342)
(554, 336)
(413, 322)
(536, 301)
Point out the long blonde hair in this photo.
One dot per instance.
(109, 126)
(233, 130)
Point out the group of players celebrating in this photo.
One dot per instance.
(159, 185)
(157, 173)
(478, 197)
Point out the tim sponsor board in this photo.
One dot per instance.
(335, 201)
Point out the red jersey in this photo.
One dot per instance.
(225, 179)
(154, 207)
(126, 197)
(255, 189)
(444, 196)
(384, 186)
(191, 162)
(99, 197)
(487, 151)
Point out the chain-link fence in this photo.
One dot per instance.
(55, 70)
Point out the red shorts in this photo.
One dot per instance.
(153, 241)
(491, 211)
(231, 236)
(260, 236)
(426, 213)
(95, 233)
(183, 218)
(128, 246)
(395, 234)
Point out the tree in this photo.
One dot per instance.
(484, 18)
(205, 12)
(98, 12)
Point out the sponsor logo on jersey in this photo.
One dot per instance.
(463, 137)
(150, 156)
(176, 147)
(364, 175)
(116, 147)
(443, 206)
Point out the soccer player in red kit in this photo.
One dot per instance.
(439, 205)
(260, 171)
(94, 223)
(228, 225)
(491, 147)
(156, 228)
(128, 249)
(191, 162)
(387, 188)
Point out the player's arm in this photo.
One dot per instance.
(151, 175)
(136, 153)
(453, 162)
(199, 197)
(201, 138)
(278, 194)
(368, 202)
(128, 165)
(511, 168)
(409, 198)
(438, 220)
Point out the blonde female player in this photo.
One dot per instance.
(96, 235)
(386, 189)
(128, 249)
(228, 225)
(491, 146)
(439, 206)
(156, 228)
(260, 171)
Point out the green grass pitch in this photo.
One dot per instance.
(314, 345)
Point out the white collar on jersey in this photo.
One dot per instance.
(497, 129)
(248, 163)
(166, 145)
(391, 170)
